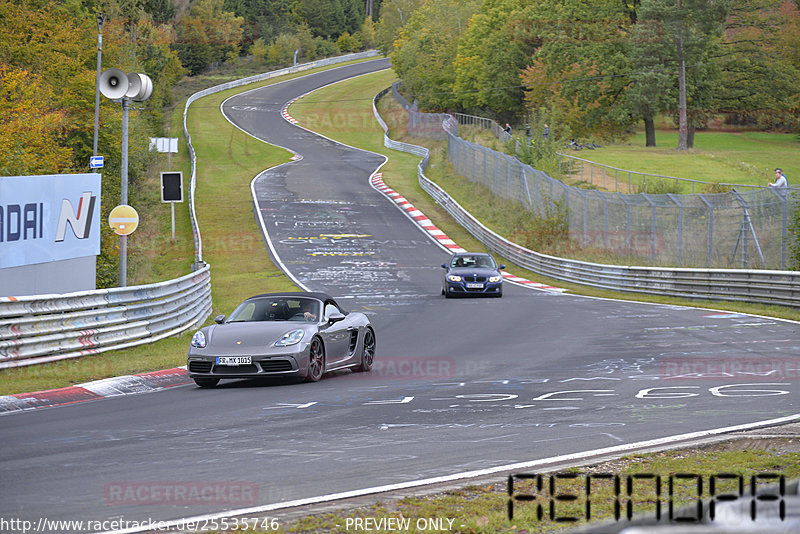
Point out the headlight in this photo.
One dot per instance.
(495, 279)
(453, 278)
(199, 339)
(290, 338)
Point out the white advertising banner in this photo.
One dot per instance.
(48, 218)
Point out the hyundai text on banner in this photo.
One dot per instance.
(48, 218)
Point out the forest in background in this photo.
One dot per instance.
(599, 68)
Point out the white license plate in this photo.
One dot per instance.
(474, 286)
(234, 360)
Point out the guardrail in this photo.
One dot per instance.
(735, 285)
(46, 328)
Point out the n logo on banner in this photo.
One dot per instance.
(81, 224)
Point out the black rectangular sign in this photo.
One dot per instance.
(172, 186)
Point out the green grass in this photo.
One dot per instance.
(729, 157)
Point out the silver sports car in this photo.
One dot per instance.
(282, 334)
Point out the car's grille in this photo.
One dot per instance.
(198, 366)
(353, 341)
(275, 366)
(235, 369)
(474, 278)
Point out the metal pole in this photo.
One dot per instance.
(100, 19)
(710, 228)
(123, 240)
(680, 227)
(172, 205)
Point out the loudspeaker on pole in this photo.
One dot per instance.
(140, 86)
(114, 83)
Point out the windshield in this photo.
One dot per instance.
(276, 309)
(479, 261)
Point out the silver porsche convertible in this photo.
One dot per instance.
(282, 334)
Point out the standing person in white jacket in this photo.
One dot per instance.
(780, 179)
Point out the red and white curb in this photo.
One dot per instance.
(98, 389)
(285, 111)
(426, 224)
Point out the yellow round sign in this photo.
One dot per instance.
(123, 219)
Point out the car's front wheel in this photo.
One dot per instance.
(368, 353)
(316, 360)
(206, 382)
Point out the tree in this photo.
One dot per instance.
(687, 33)
(348, 43)
(46, 46)
(265, 20)
(331, 18)
(207, 35)
(490, 57)
(424, 54)
(32, 130)
(650, 79)
(394, 14)
(367, 33)
(579, 67)
(760, 64)
(281, 51)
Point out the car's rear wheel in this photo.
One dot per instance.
(316, 360)
(368, 353)
(206, 382)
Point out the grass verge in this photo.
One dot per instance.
(718, 156)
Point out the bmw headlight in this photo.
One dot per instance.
(495, 279)
(453, 278)
(199, 339)
(290, 338)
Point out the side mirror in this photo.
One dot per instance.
(335, 317)
(502, 267)
(219, 319)
(444, 266)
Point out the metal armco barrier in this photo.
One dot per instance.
(46, 328)
(736, 285)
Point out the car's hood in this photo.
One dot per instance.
(251, 334)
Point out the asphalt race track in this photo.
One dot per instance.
(459, 385)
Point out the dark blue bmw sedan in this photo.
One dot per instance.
(472, 273)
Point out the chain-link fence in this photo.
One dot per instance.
(747, 229)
